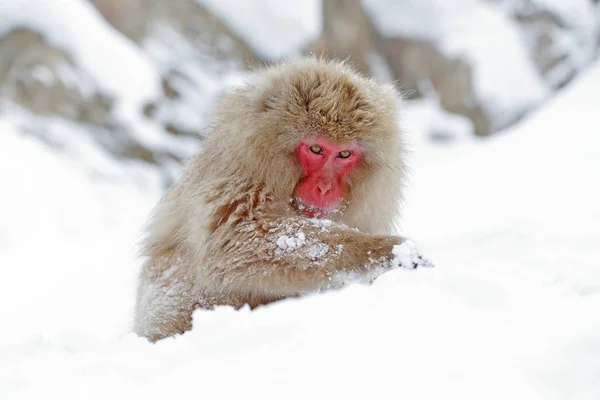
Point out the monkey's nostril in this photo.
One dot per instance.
(323, 189)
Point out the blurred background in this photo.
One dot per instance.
(139, 77)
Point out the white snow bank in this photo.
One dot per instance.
(274, 29)
(510, 311)
(67, 238)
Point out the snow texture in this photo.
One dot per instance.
(574, 37)
(117, 66)
(274, 29)
(580, 28)
(407, 255)
(298, 235)
(504, 80)
(510, 311)
(290, 243)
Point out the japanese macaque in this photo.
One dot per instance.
(295, 190)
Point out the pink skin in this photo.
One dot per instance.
(320, 190)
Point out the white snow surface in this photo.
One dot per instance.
(510, 311)
(274, 29)
(406, 254)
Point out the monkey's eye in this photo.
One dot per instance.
(316, 149)
(344, 154)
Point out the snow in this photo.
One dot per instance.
(510, 310)
(573, 33)
(290, 243)
(66, 239)
(95, 53)
(407, 255)
(505, 81)
(290, 236)
(577, 16)
(193, 71)
(274, 29)
(439, 124)
(411, 18)
(43, 74)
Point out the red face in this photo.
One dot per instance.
(325, 165)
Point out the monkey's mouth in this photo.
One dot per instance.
(315, 211)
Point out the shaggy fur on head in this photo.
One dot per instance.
(258, 126)
(213, 228)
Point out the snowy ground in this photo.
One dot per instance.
(511, 311)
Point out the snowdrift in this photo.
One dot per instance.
(510, 310)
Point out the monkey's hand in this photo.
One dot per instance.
(407, 255)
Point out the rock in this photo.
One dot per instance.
(347, 34)
(414, 62)
(127, 16)
(44, 80)
(140, 19)
(192, 48)
(562, 38)
(273, 29)
(459, 55)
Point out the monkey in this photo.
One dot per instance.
(295, 190)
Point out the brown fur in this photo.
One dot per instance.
(214, 237)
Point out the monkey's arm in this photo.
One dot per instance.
(290, 256)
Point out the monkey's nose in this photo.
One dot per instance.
(323, 188)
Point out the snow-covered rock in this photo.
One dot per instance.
(561, 36)
(59, 62)
(195, 52)
(470, 51)
(273, 28)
